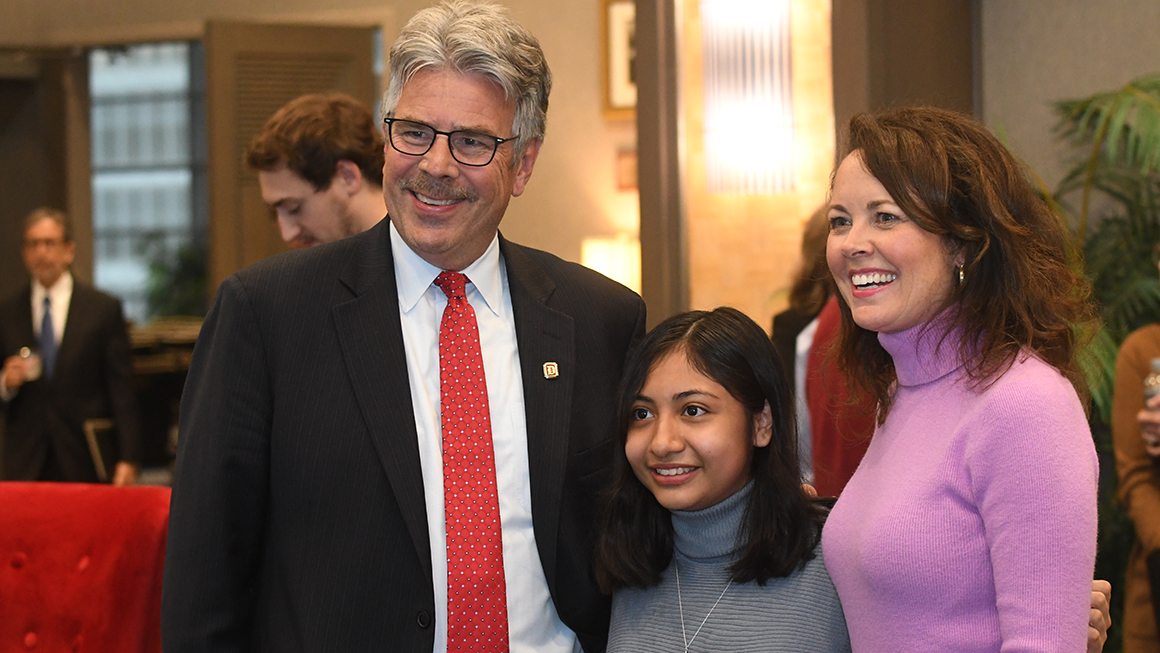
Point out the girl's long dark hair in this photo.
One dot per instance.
(781, 526)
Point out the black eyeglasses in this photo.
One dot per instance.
(467, 147)
(47, 243)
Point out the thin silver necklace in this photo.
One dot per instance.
(681, 608)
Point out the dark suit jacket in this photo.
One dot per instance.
(787, 326)
(298, 521)
(93, 378)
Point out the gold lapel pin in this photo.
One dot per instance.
(551, 370)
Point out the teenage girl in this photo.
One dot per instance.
(707, 539)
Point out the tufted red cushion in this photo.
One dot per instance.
(80, 567)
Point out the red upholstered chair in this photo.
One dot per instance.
(80, 567)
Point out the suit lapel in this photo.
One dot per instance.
(23, 315)
(543, 335)
(371, 339)
(78, 309)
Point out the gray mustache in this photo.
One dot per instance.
(425, 184)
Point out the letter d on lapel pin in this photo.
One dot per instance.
(551, 370)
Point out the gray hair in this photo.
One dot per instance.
(470, 37)
(56, 215)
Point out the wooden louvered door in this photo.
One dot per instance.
(44, 152)
(251, 71)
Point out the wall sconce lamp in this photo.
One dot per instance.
(748, 96)
(617, 258)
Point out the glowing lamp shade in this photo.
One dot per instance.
(616, 258)
(748, 96)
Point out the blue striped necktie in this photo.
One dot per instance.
(47, 340)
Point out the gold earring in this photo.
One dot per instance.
(960, 275)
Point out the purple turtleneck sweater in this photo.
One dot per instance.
(970, 524)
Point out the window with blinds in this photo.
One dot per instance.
(148, 174)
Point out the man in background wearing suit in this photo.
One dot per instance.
(67, 362)
(320, 167)
(395, 441)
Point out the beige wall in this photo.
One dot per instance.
(573, 190)
(1037, 51)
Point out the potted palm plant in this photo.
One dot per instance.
(1111, 197)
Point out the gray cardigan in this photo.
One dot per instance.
(797, 613)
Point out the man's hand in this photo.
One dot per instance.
(15, 373)
(1100, 618)
(1149, 420)
(126, 474)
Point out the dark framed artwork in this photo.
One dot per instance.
(618, 18)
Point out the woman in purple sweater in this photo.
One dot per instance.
(970, 524)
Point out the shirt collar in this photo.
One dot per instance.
(413, 275)
(61, 288)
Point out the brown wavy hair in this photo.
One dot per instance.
(813, 285)
(1022, 288)
(312, 133)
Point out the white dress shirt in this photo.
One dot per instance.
(60, 296)
(533, 625)
(802, 345)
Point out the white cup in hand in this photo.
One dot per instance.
(32, 364)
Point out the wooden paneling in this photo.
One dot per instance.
(38, 126)
(251, 71)
(896, 52)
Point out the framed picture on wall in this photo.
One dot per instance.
(618, 18)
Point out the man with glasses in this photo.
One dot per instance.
(467, 147)
(320, 168)
(67, 361)
(395, 441)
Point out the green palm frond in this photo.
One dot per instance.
(1118, 260)
(1099, 367)
(1119, 128)
(1137, 304)
(1118, 135)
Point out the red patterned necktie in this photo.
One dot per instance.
(476, 592)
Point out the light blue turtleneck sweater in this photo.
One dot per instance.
(798, 613)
